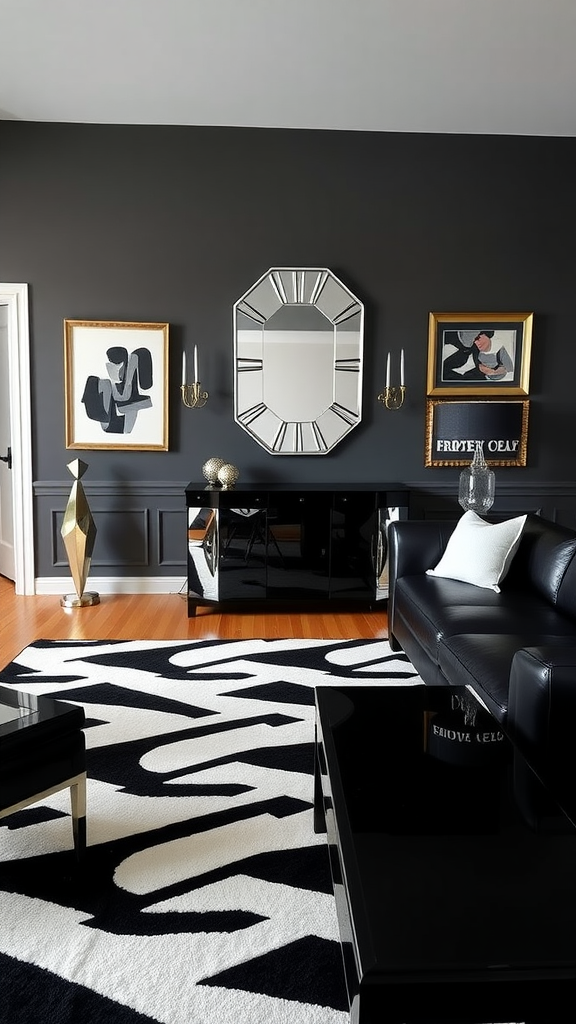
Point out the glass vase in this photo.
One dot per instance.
(477, 484)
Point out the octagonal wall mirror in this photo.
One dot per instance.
(298, 349)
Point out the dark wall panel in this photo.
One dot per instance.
(555, 501)
(171, 533)
(141, 530)
(174, 223)
(123, 538)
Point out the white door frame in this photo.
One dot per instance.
(15, 297)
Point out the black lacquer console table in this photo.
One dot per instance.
(453, 868)
(274, 542)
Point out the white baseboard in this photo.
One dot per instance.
(113, 585)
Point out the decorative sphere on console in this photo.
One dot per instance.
(210, 469)
(228, 475)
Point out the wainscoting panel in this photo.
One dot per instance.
(141, 541)
(141, 529)
(555, 500)
(171, 535)
(122, 539)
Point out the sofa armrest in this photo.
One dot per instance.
(417, 544)
(542, 695)
(541, 713)
(414, 545)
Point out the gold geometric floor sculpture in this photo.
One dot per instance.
(78, 533)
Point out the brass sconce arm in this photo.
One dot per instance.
(192, 394)
(393, 395)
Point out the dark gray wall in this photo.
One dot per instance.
(174, 224)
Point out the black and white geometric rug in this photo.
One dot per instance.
(205, 895)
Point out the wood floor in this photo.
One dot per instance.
(164, 617)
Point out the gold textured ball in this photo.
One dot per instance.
(210, 469)
(228, 475)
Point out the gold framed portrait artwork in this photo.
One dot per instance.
(479, 354)
(116, 385)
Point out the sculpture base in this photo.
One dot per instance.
(73, 601)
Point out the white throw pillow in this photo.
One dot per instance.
(479, 552)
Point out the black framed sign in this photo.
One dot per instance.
(453, 428)
(479, 354)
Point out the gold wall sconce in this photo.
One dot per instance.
(192, 394)
(392, 397)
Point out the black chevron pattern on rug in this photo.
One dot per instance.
(32, 994)
(205, 894)
(303, 970)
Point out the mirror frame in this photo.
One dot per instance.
(277, 289)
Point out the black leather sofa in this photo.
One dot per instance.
(516, 650)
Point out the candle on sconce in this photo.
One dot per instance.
(402, 368)
(183, 369)
(388, 371)
(196, 377)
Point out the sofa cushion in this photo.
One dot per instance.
(432, 608)
(479, 552)
(484, 662)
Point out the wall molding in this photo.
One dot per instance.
(555, 500)
(141, 527)
(506, 488)
(170, 487)
(111, 488)
(47, 585)
(141, 543)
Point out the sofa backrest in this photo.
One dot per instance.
(545, 561)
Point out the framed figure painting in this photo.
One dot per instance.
(479, 353)
(116, 385)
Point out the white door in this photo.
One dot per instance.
(16, 496)
(7, 560)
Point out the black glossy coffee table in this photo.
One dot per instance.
(454, 871)
(42, 750)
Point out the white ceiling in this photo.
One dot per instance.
(473, 66)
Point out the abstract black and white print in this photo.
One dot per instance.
(205, 894)
(115, 401)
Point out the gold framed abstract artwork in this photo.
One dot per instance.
(116, 385)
